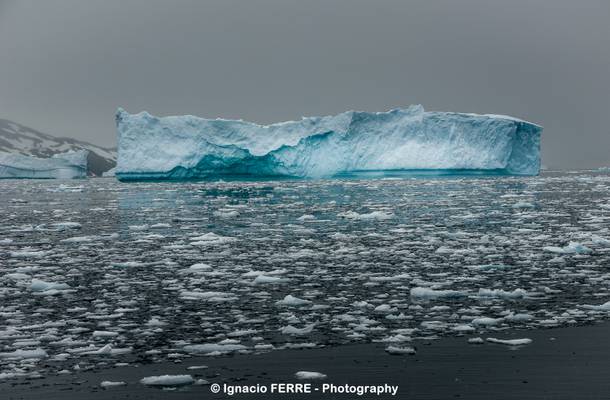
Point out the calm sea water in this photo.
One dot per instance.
(97, 272)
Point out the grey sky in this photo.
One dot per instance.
(65, 66)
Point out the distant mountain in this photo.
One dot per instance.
(18, 139)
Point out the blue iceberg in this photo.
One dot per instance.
(69, 165)
(411, 139)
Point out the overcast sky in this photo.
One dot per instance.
(66, 65)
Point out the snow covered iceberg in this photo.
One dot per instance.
(411, 139)
(70, 165)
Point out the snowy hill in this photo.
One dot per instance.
(18, 139)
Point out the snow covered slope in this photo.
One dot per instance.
(19, 139)
(187, 147)
(69, 165)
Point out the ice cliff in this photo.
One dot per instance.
(411, 139)
(70, 165)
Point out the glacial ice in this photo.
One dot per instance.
(411, 139)
(69, 165)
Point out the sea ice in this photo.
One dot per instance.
(25, 354)
(291, 330)
(167, 380)
(110, 384)
(38, 285)
(510, 342)
(427, 293)
(208, 348)
(571, 248)
(292, 301)
(400, 350)
(309, 375)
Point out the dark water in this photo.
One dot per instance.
(98, 272)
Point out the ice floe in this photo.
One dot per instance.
(167, 380)
(309, 375)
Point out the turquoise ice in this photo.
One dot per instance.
(411, 139)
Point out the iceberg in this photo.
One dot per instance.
(411, 139)
(69, 165)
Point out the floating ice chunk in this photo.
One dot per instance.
(292, 301)
(519, 317)
(396, 338)
(571, 248)
(226, 214)
(486, 321)
(167, 380)
(80, 239)
(600, 241)
(138, 228)
(499, 293)
(378, 215)
(262, 279)
(211, 239)
(238, 333)
(66, 225)
(309, 375)
(427, 293)
(11, 375)
(128, 264)
(291, 330)
(208, 348)
(111, 384)
(463, 328)
(603, 307)
(523, 204)
(510, 342)
(17, 276)
(476, 340)
(155, 322)
(214, 297)
(199, 267)
(107, 349)
(160, 225)
(104, 334)
(395, 350)
(27, 253)
(394, 278)
(193, 367)
(25, 354)
(385, 308)
(38, 285)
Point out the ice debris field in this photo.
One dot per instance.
(411, 139)
(98, 273)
